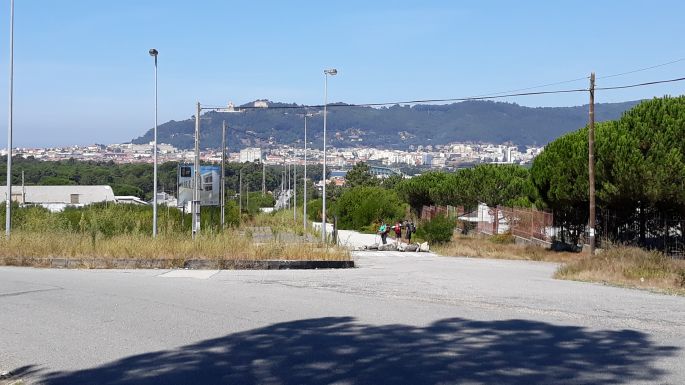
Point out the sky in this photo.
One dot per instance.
(83, 75)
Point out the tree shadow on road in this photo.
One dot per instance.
(341, 350)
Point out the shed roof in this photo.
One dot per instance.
(59, 194)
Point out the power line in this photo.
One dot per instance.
(583, 78)
(641, 84)
(460, 99)
(642, 69)
(533, 87)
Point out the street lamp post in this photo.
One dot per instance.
(8, 207)
(154, 53)
(222, 189)
(326, 72)
(195, 204)
(304, 188)
(240, 191)
(295, 192)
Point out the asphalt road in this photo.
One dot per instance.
(397, 318)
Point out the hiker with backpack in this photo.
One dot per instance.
(383, 231)
(398, 231)
(410, 229)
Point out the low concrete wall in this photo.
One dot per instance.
(532, 241)
(200, 264)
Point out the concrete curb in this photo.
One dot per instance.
(192, 264)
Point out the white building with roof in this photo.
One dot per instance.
(56, 198)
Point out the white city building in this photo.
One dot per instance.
(250, 154)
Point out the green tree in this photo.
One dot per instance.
(416, 191)
(640, 169)
(360, 175)
(361, 206)
(438, 230)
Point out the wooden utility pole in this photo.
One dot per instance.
(591, 163)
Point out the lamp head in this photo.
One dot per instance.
(331, 71)
(153, 52)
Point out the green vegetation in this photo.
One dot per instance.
(416, 191)
(360, 175)
(395, 126)
(123, 231)
(487, 183)
(629, 266)
(107, 220)
(640, 171)
(136, 178)
(361, 206)
(438, 230)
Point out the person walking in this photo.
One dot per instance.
(383, 230)
(398, 231)
(410, 228)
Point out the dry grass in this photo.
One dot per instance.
(629, 266)
(279, 221)
(501, 247)
(227, 245)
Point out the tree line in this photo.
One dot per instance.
(640, 180)
(136, 178)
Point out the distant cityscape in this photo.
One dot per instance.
(447, 156)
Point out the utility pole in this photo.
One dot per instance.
(591, 163)
(304, 187)
(154, 53)
(240, 191)
(295, 192)
(8, 207)
(196, 176)
(223, 174)
(283, 186)
(263, 178)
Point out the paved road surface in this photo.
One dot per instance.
(397, 318)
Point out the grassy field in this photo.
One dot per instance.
(500, 247)
(630, 267)
(228, 245)
(621, 266)
(123, 232)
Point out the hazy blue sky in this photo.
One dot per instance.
(83, 74)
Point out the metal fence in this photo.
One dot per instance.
(430, 212)
(529, 223)
(652, 231)
(524, 223)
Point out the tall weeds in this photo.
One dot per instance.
(629, 266)
(123, 231)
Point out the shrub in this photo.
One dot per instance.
(502, 239)
(362, 205)
(437, 230)
(314, 208)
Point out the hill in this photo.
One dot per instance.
(396, 127)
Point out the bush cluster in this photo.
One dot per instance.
(360, 206)
(438, 230)
(108, 220)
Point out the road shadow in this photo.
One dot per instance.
(341, 350)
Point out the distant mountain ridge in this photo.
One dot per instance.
(395, 127)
